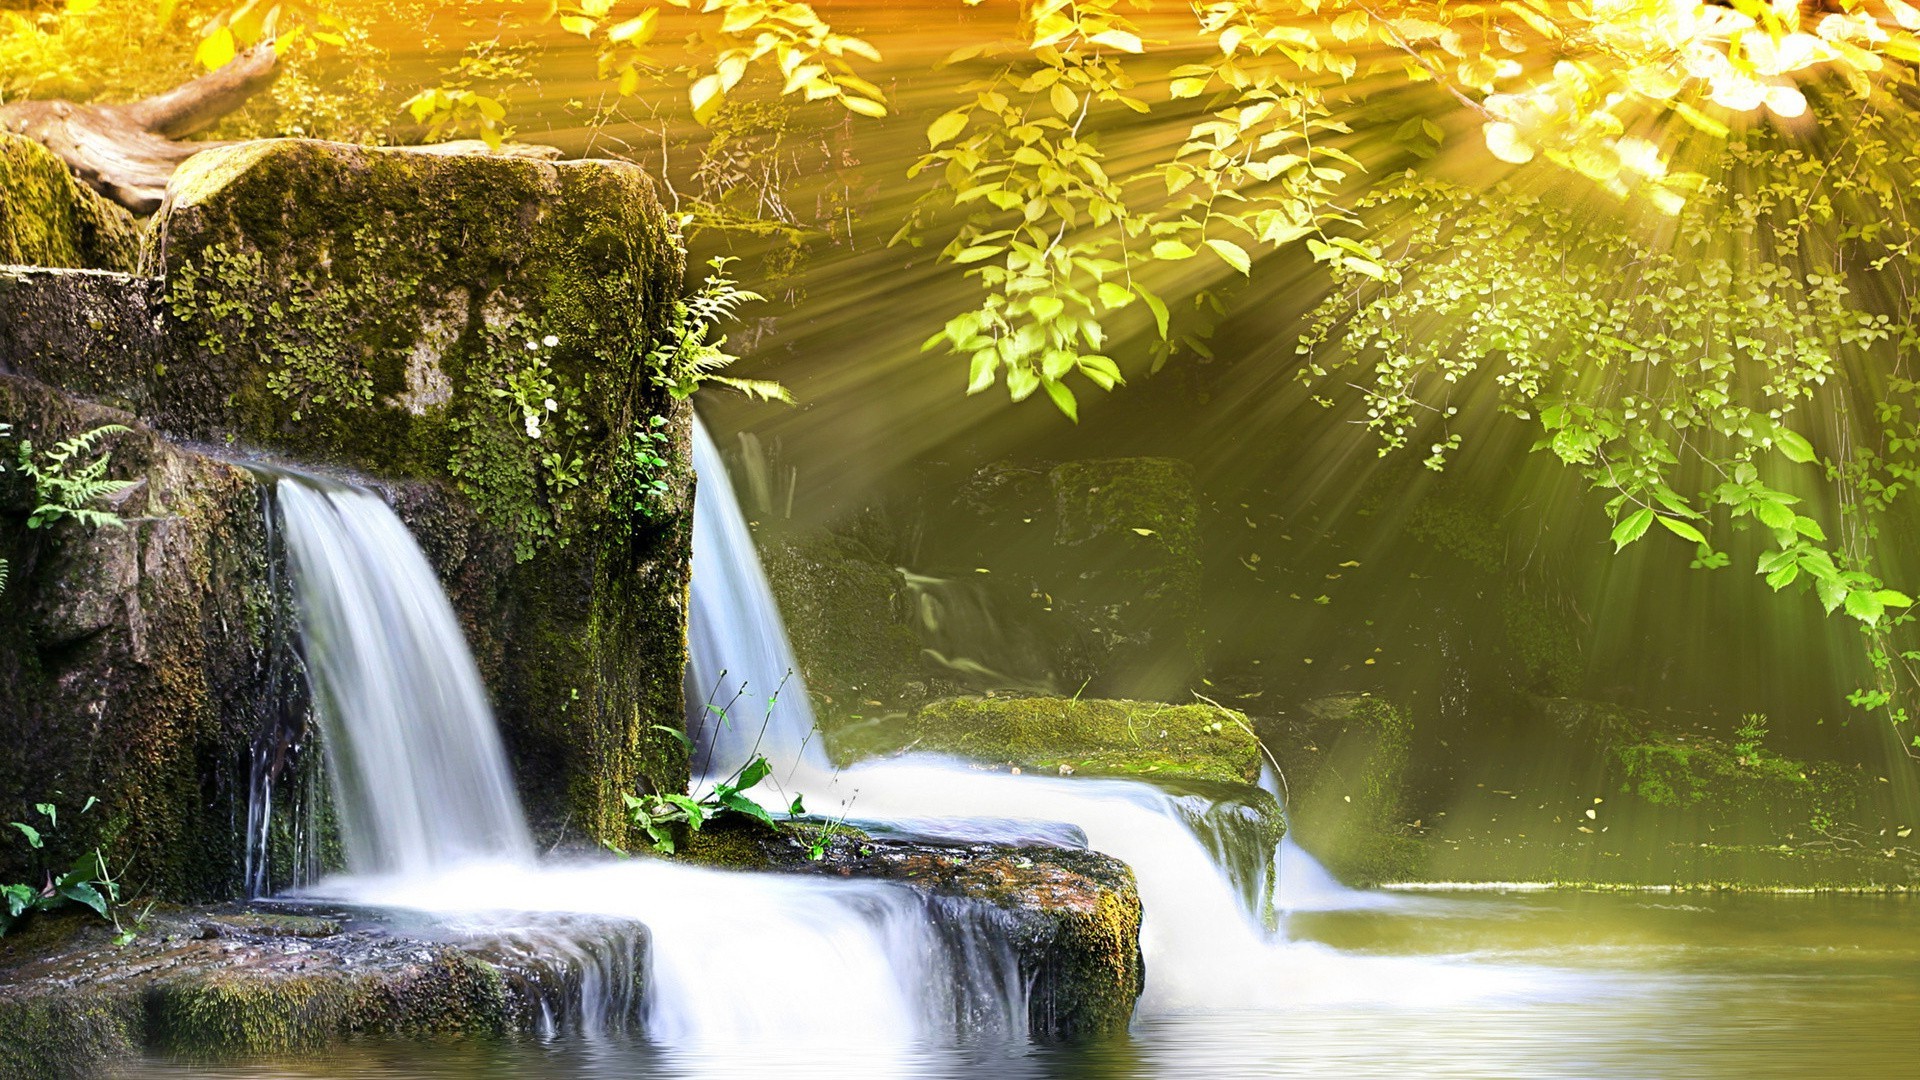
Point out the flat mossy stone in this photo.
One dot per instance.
(1093, 736)
(49, 218)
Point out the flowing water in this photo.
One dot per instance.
(754, 974)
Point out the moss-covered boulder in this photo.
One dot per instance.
(482, 324)
(1069, 735)
(212, 985)
(1131, 525)
(49, 218)
(843, 612)
(137, 663)
(1072, 916)
(1348, 788)
(1733, 790)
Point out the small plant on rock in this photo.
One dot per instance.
(86, 882)
(64, 489)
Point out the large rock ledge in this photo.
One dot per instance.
(1073, 917)
(234, 983)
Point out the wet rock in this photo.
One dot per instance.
(843, 612)
(92, 332)
(483, 324)
(1073, 916)
(1082, 736)
(48, 218)
(273, 983)
(1348, 793)
(138, 663)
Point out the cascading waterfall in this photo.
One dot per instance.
(737, 643)
(431, 823)
(1200, 867)
(420, 780)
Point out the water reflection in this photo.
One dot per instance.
(1621, 986)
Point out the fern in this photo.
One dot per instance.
(63, 490)
(686, 360)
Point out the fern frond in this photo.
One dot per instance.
(758, 389)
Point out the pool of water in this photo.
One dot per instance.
(1542, 984)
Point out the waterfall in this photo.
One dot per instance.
(420, 781)
(1201, 863)
(737, 643)
(726, 960)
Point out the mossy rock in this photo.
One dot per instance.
(1066, 735)
(91, 332)
(137, 664)
(1129, 527)
(842, 609)
(1072, 916)
(232, 983)
(1740, 790)
(475, 329)
(1349, 802)
(49, 218)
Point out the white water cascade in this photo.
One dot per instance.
(420, 780)
(1203, 935)
(429, 818)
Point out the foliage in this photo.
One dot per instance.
(86, 882)
(646, 464)
(658, 814)
(685, 360)
(473, 93)
(62, 489)
(1707, 775)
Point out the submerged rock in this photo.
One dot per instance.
(219, 984)
(48, 218)
(1073, 916)
(1068, 735)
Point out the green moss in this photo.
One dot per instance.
(1736, 784)
(1352, 810)
(485, 323)
(841, 609)
(1116, 738)
(48, 218)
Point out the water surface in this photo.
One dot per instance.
(1624, 985)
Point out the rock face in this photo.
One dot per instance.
(1349, 793)
(48, 218)
(137, 664)
(1065, 735)
(1072, 916)
(240, 984)
(474, 335)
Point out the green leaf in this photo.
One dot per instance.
(1172, 250)
(1631, 528)
(1155, 305)
(32, 834)
(1865, 606)
(1792, 444)
(1232, 254)
(1062, 398)
(1893, 598)
(1774, 515)
(83, 893)
(740, 804)
(1683, 530)
(946, 127)
(1114, 295)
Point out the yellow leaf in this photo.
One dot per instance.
(1117, 39)
(637, 30)
(705, 95)
(947, 127)
(863, 106)
(217, 50)
(575, 24)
